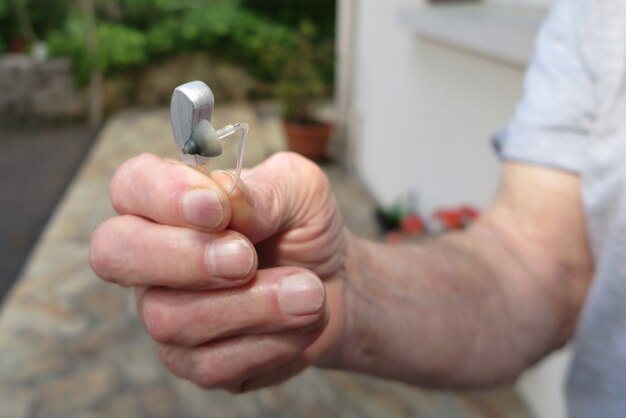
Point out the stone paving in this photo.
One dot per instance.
(71, 346)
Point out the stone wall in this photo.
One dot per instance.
(46, 89)
(38, 89)
(153, 85)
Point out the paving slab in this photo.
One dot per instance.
(72, 346)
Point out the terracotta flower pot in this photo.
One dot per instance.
(309, 140)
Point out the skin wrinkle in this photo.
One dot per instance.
(331, 226)
(274, 195)
(273, 375)
(323, 232)
(326, 236)
(282, 206)
(325, 219)
(211, 364)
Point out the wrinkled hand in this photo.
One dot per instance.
(240, 291)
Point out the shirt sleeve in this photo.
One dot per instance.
(553, 121)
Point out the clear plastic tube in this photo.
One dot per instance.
(227, 131)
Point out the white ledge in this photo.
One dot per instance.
(505, 34)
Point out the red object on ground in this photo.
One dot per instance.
(469, 212)
(412, 224)
(451, 218)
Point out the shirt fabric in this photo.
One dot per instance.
(573, 117)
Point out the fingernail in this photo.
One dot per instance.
(301, 294)
(229, 258)
(202, 207)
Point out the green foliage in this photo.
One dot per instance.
(265, 36)
(47, 15)
(42, 17)
(293, 13)
(119, 47)
(227, 30)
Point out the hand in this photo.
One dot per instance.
(240, 291)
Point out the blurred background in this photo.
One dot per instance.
(397, 100)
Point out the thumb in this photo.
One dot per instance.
(283, 192)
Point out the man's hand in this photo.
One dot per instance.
(245, 290)
(240, 290)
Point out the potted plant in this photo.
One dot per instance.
(302, 84)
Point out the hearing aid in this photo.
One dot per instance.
(196, 138)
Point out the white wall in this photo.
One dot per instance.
(541, 4)
(542, 386)
(422, 113)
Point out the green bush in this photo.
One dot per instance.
(119, 47)
(262, 36)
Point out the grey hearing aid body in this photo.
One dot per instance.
(191, 103)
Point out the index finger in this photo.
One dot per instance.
(170, 193)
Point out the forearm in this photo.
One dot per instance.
(462, 310)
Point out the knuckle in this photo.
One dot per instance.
(296, 162)
(236, 389)
(116, 189)
(193, 365)
(208, 381)
(204, 375)
(308, 170)
(125, 174)
(170, 358)
(143, 159)
(156, 317)
(98, 251)
(305, 172)
(107, 256)
(208, 374)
